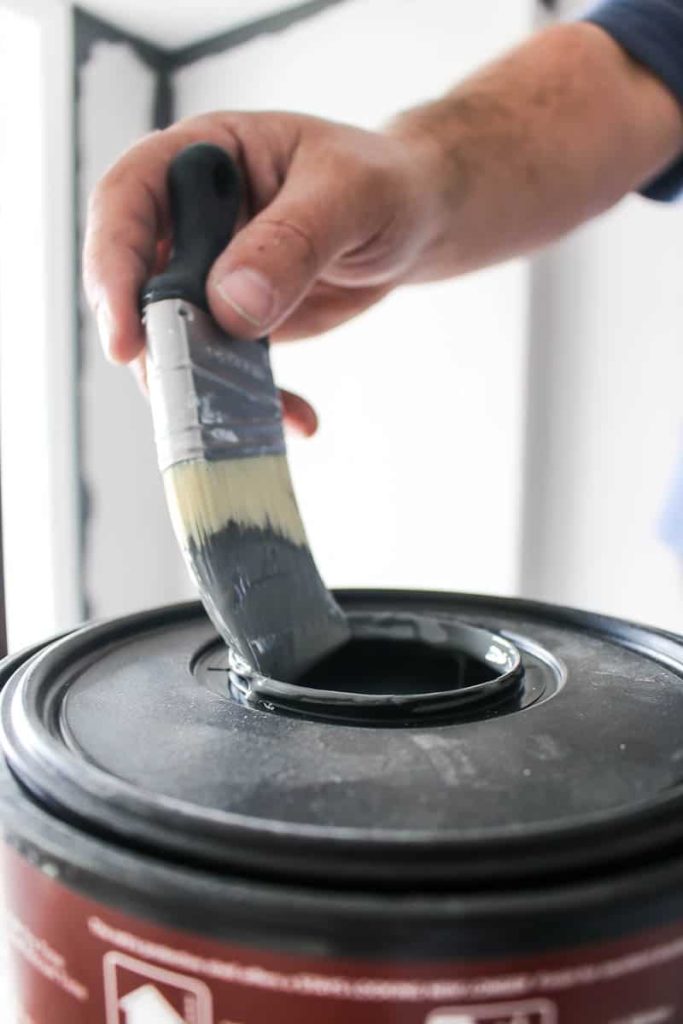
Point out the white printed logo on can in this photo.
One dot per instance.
(536, 1011)
(138, 993)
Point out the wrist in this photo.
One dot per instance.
(437, 177)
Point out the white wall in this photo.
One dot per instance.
(605, 413)
(132, 560)
(415, 477)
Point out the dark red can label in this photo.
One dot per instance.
(80, 962)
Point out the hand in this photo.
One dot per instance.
(335, 218)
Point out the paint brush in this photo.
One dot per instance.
(220, 445)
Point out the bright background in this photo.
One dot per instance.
(513, 432)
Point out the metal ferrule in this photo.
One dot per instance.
(212, 397)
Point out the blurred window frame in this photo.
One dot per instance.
(38, 358)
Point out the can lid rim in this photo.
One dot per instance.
(101, 803)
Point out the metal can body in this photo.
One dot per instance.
(108, 929)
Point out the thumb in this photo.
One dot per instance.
(272, 262)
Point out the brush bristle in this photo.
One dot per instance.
(204, 497)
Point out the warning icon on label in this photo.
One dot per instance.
(136, 992)
(147, 1005)
(537, 1011)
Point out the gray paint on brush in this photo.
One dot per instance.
(213, 404)
(268, 603)
(219, 401)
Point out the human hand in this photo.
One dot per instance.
(334, 218)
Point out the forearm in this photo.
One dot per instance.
(551, 135)
(517, 155)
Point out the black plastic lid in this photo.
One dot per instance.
(566, 763)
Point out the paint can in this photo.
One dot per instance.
(472, 815)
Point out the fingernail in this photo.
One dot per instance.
(250, 294)
(139, 368)
(104, 329)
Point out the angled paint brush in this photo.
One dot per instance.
(220, 445)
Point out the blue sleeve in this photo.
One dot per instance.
(671, 521)
(651, 31)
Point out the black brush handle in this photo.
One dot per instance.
(204, 194)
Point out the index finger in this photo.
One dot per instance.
(127, 218)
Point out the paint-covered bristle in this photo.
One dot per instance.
(206, 496)
(244, 542)
(221, 447)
